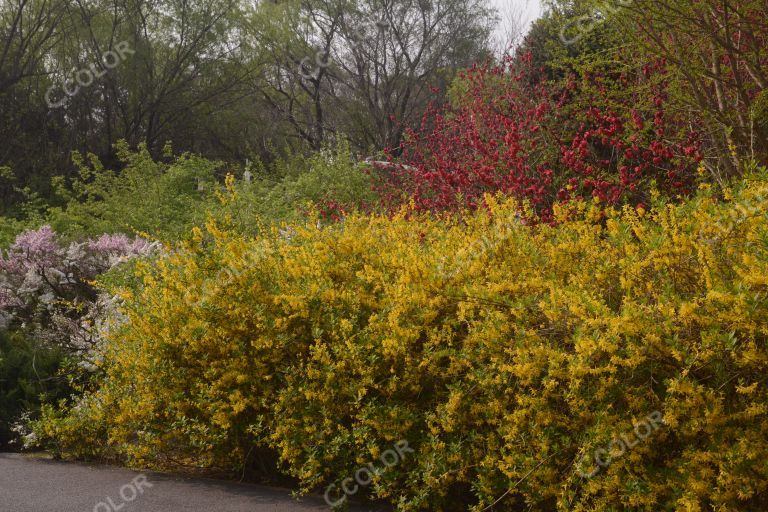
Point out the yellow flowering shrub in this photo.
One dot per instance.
(507, 355)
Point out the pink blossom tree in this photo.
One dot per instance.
(48, 287)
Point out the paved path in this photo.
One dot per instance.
(38, 485)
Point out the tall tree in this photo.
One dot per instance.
(178, 61)
(366, 68)
(29, 31)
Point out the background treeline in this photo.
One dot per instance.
(602, 99)
(230, 80)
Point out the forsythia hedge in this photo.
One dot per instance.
(507, 355)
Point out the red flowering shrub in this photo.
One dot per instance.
(601, 133)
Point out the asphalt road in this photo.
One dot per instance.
(39, 485)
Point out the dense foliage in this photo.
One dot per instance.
(164, 198)
(286, 189)
(505, 354)
(49, 301)
(284, 238)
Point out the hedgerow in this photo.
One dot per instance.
(507, 355)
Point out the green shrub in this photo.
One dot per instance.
(9, 228)
(289, 187)
(28, 375)
(166, 200)
(148, 196)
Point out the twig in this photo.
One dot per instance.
(518, 482)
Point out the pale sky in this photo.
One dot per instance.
(516, 15)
